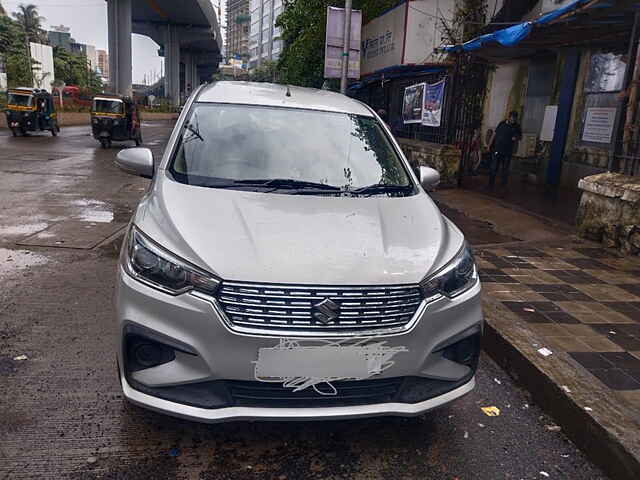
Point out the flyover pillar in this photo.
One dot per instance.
(172, 64)
(191, 78)
(119, 23)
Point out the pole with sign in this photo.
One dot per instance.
(335, 44)
(346, 47)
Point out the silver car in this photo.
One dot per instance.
(287, 264)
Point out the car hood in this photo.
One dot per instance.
(320, 240)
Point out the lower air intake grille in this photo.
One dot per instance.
(363, 392)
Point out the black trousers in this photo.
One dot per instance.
(501, 162)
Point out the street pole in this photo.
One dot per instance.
(346, 47)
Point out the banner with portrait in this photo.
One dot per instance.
(413, 104)
(433, 104)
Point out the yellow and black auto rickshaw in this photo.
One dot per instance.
(31, 110)
(115, 118)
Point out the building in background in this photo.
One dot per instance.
(60, 36)
(103, 65)
(264, 41)
(237, 37)
(89, 51)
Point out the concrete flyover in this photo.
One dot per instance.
(186, 30)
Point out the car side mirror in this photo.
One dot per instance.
(136, 161)
(429, 178)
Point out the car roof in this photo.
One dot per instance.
(275, 95)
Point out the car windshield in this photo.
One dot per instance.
(281, 148)
(20, 99)
(107, 106)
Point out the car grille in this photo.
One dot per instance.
(292, 308)
(348, 393)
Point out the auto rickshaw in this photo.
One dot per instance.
(31, 110)
(115, 118)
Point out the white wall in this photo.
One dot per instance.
(501, 83)
(385, 37)
(493, 7)
(424, 29)
(43, 72)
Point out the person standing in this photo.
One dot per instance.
(502, 144)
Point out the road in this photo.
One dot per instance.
(62, 412)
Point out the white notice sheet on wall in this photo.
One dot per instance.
(549, 123)
(598, 125)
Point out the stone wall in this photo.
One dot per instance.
(609, 211)
(67, 119)
(444, 158)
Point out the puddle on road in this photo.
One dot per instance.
(98, 216)
(14, 260)
(94, 210)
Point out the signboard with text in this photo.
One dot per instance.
(383, 40)
(335, 43)
(598, 125)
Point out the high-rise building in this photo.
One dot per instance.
(264, 40)
(88, 50)
(238, 21)
(60, 36)
(103, 64)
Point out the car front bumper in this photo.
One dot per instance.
(228, 414)
(207, 352)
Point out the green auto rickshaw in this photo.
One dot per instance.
(31, 110)
(115, 118)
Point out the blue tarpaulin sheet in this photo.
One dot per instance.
(511, 36)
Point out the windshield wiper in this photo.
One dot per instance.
(194, 130)
(381, 188)
(288, 183)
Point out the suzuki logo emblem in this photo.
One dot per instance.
(326, 311)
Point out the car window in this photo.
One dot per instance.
(106, 106)
(20, 100)
(237, 143)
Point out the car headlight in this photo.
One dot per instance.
(116, 122)
(455, 278)
(149, 263)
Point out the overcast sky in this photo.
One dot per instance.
(88, 22)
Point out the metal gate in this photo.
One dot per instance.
(465, 118)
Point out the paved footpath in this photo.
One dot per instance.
(62, 412)
(563, 316)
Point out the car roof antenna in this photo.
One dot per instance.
(288, 94)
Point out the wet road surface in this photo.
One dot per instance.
(62, 414)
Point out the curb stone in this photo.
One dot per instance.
(609, 434)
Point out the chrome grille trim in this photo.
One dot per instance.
(287, 309)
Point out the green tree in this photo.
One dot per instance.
(73, 69)
(31, 21)
(267, 72)
(303, 24)
(14, 53)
